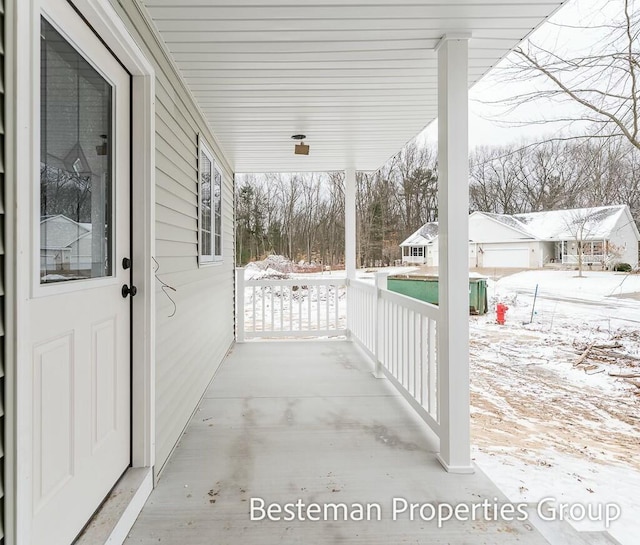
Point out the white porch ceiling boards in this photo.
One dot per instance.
(358, 77)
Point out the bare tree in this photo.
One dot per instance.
(495, 185)
(604, 79)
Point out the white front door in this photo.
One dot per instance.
(79, 320)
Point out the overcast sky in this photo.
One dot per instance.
(485, 131)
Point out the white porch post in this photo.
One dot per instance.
(453, 241)
(350, 238)
(350, 222)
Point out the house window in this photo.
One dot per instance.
(210, 207)
(417, 252)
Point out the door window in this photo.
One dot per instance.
(76, 160)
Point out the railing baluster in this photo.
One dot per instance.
(432, 370)
(318, 307)
(326, 307)
(416, 355)
(402, 331)
(337, 310)
(421, 360)
(386, 337)
(299, 296)
(396, 327)
(264, 302)
(281, 308)
(406, 338)
(253, 301)
(291, 301)
(309, 295)
(272, 324)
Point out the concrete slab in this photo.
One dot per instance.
(307, 421)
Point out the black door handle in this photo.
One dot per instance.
(126, 291)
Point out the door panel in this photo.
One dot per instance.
(53, 416)
(104, 371)
(79, 321)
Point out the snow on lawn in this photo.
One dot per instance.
(593, 286)
(543, 426)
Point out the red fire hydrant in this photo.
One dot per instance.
(501, 309)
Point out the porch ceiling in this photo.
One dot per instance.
(359, 78)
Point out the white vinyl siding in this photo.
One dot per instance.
(190, 344)
(625, 240)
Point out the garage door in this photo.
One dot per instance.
(506, 257)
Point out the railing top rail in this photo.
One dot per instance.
(311, 281)
(361, 284)
(421, 307)
(426, 309)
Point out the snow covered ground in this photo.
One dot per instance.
(543, 426)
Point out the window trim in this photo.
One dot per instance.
(212, 258)
(219, 257)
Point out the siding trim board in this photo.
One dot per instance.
(192, 343)
(3, 246)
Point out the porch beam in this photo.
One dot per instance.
(350, 222)
(453, 241)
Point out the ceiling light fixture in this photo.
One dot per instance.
(301, 148)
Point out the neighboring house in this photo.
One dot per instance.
(65, 246)
(605, 235)
(140, 113)
(419, 248)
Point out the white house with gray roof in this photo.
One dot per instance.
(66, 247)
(419, 248)
(602, 236)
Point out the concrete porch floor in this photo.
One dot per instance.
(289, 420)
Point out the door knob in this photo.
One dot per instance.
(126, 291)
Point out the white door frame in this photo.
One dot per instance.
(23, 46)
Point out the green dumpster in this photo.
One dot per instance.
(425, 288)
(478, 295)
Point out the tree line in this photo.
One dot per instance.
(301, 216)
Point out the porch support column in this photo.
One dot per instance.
(350, 222)
(453, 242)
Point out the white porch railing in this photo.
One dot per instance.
(399, 333)
(411, 259)
(587, 259)
(301, 307)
